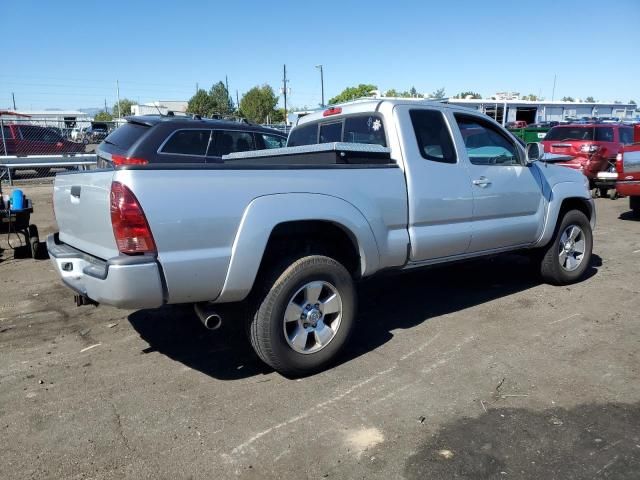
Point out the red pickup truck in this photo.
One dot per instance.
(628, 167)
(34, 140)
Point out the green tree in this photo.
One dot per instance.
(590, 100)
(392, 92)
(200, 103)
(351, 93)
(219, 100)
(467, 94)
(567, 99)
(103, 116)
(258, 103)
(531, 97)
(277, 116)
(632, 102)
(125, 107)
(437, 94)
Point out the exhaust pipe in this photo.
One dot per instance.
(207, 316)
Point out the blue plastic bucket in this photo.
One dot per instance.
(17, 200)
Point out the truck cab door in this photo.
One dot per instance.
(440, 197)
(508, 200)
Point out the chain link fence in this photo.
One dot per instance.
(34, 149)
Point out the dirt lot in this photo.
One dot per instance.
(474, 371)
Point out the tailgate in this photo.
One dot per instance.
(82, 208)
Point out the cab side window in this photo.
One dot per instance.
(432, 134)
(188, 142)
(485, 144)
(626, 136)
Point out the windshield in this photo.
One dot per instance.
(570, 133)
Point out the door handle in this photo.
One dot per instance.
(482, 182)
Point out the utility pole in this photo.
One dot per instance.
(237, 100)
(553, 92)
(321, 84)
(105, 106)
(118, 97)
(226, 82)
(14, 101)
(284, 92)
(197, 87)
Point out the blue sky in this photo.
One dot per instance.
(69, 54)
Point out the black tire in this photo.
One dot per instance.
(34, 242)
(634, 205)
(602, 191)
(550, 268)
(266, 324)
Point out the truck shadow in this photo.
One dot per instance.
(630, 216)
(585, 441)
(386, 303)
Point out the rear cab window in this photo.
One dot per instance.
(359, 128)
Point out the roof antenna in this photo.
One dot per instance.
(158, 108)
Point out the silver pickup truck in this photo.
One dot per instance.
(361, 188)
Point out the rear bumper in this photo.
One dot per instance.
(628, 188)
(125, 282)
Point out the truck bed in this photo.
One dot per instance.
(196, 212)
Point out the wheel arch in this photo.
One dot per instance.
(565, 197)
(304, 219)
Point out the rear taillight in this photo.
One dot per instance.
(130, 226)
(122, 160)
(619, 164)
(589, 148)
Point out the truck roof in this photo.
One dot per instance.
(374, 105)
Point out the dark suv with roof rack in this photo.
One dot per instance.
(166, 139)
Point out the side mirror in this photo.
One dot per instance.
(534, 152)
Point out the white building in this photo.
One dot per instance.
(159, 106)
(545, 111)
(48, 117)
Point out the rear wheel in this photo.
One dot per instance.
(565, 259)
(34, 241)
(304, 315)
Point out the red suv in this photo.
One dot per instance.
(593, 146)
(34, 140)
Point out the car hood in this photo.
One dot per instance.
(555, 174)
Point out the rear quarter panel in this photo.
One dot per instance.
(195, 217)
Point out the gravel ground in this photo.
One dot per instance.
(472, 371)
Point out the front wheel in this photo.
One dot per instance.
(567, 256)
(305, 318)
